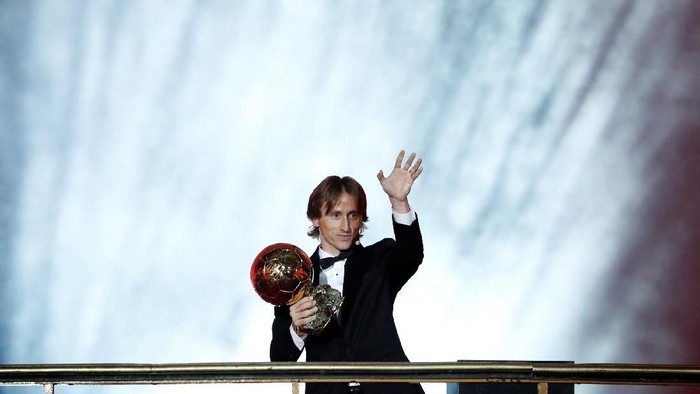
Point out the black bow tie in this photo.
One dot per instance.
(329, 261)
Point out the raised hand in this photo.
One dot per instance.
(398, 184)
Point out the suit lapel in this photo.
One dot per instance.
(351, 282)
(317, 269)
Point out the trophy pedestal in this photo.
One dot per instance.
(328, 301)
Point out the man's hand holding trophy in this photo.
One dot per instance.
(282, 274)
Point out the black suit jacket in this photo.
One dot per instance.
(367, 332)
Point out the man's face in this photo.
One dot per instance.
(339, 227)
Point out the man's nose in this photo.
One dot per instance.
(345, 224)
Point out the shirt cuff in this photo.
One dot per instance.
(404, 218)
(297, 340)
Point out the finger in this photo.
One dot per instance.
(416, 166)
(301, 305)
(409, 161)
(297, 306)
(380, 176)
(399, 159)
(308, 313)
(416, 174)
(305, 315)
(305, 321)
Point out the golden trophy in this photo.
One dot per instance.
(282, 274)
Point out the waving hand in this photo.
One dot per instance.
(398, 184)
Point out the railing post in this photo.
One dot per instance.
(48, 388)
(542, 388)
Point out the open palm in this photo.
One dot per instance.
(398, 184)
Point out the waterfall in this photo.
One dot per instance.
(150, 150)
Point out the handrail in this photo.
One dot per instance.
(275, 372)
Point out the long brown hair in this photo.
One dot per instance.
(326, 195)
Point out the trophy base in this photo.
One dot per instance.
(328, 301)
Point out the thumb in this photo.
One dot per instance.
(380, 175)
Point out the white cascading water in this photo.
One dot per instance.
(164, 144)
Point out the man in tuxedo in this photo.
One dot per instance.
(369, 278)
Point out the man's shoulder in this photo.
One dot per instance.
(380, 245)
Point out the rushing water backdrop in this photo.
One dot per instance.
(149, 150)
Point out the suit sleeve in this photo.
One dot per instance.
(407, 255)
(282, 347)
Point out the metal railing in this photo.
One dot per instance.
(541, 373)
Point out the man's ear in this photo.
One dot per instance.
(315, 222)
